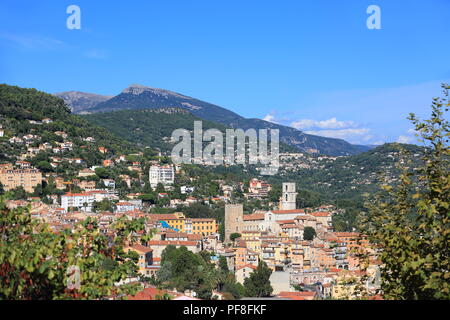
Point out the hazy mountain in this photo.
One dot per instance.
(141, 97)
(81, 102)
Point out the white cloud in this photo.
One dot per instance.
(31, 42)
(332, 123)
(269, 117)
(353, 135)
(404, 139)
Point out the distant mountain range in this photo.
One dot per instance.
(81, 102)
(142, 97)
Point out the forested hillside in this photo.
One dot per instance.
(31, 118)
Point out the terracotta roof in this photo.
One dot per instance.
(76, 195)
(124, 204)
(297, 295)
(320, 214)
(166, 243)
(254, 216)
(163, 216)
(248, 266)
(147, 294)
(141, 248)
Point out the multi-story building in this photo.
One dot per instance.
(174, 220)
(82, 201)
(234, 215)
(161, 174)
(288, 197)
(145, 257)
(203, 226)
(27, 178)
(243, 272)
(258, 189)
(158, 246)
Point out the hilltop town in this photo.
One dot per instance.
(308, 259)
(227, 221)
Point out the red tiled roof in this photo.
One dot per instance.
(166, 243)
(297, 295)
(254, 216)
(76, 195)
(162, 216)
(320, 214)
(147, 294)
(141, 248)
(248, 266)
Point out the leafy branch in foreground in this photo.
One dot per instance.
(38, 264)
(409, 222)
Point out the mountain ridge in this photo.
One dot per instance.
(137, 96)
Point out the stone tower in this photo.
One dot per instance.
(288, 196)
(234, 219)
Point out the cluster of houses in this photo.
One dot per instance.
(321, 266)
(298, 245)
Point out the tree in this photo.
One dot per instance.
(223, 265)
(103, 173)
(104, 205)
(36, 263)
(258, 284)
(19, 193)
(160, 188)
(185, 270)
(309, 233)
(234, 288)
(409, 222)
(45, 166)
(235, 236)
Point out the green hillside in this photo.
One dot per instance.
(21, 114)
(153, 127)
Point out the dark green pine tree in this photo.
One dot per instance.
(258, 284)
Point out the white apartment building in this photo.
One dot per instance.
(161, 174)
(82, 201)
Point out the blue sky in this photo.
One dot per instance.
(312, 64)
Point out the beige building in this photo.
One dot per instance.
(244, 272)
(13, 178)
(234, 215)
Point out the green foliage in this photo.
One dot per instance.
(235, 236)
(34, 261)
(185, 270)
(148, 127)
(223, 265)
(258, 283)
(19, 106)
(410, 225)
(309, 233)
(234, 288)
(104, 205)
